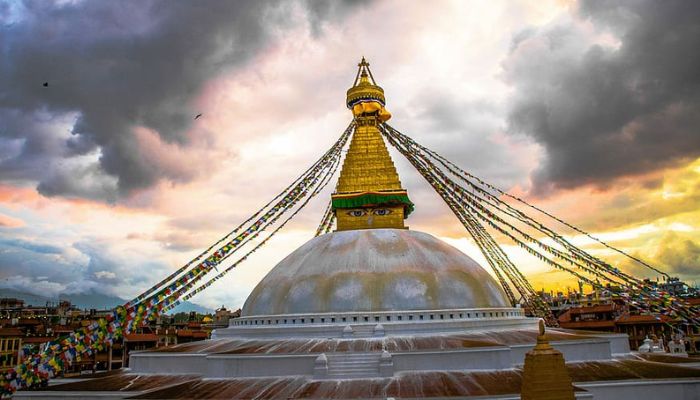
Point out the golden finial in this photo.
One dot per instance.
(542, 342)
(364, 88)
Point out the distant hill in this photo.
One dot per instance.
(189, 307)
(80, 300)
(29, 299)
(90, 300)
(93, 300)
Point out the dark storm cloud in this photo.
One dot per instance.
(676, 253)
(112, 66)
(682, 259)
(601, 112)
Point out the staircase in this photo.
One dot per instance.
(353, 365)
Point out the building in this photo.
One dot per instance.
(10, 304)
(138, 342)
(597, 318)
(28, 328)
(10, 346)
(222, 316)
(599, 311)
(375, 309)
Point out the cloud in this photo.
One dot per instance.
(37, 266)
(470, 133)
(122, 270)
(183, 241)
(31, 246)
(679, 254)
(114, 69)
(105, 275)
(674, 252)
(9, 222)
(613, 93)
(85, 266)
(40, 286)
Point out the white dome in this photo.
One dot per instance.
(374, 270)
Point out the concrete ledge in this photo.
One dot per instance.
(243, 366)
(579, 350)
(383, 316)
(463, 359)
(168, 363)
(619, 342)
(363, 329)
(647, 389)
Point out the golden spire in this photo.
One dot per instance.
(545, 376)
(369, 192)
(368, 166)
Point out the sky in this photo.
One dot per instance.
(588, 109)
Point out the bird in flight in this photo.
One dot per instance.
(46, 84)
(197, 116)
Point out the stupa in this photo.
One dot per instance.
(376, 309)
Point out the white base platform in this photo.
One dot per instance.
(221, 357)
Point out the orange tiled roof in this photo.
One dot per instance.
(38, 339)
(141, 337)
(62, 328)
(695, 301)
(641, 319)
(592, 309)
(603, 308)
(587, 324)
(9, 332)
(192, 334)
(184, 333)
(29, 321)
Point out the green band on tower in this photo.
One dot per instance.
(373, 199)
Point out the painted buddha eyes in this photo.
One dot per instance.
(357, 213)
(362, 212)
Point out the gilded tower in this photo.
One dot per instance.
(369, 193)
